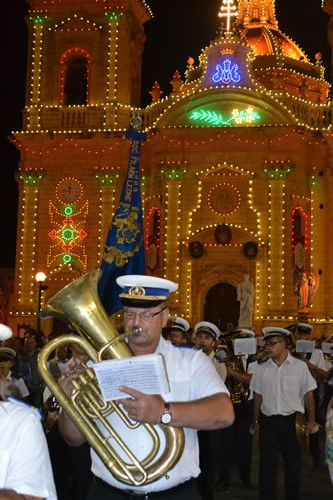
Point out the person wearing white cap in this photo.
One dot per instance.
(25, 468)
(198, 398)
(282, 386)
(315, 359)
(237, 440)
(7, 381)
(206, 335)
(176, 330)
(317, 366)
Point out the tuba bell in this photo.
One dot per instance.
(239, 392)
(78, 304)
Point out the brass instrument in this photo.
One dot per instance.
(78, 303)
(262, 356)
(239, 391)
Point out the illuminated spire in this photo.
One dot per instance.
(260, 12)
(228, 10)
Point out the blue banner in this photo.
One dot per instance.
(124, 248)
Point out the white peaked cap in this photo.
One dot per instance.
(206, 326)
(5, 332)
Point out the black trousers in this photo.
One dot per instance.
(236, 446)
(278, 434)
(209, 450)
(102, 491)
(71, 466)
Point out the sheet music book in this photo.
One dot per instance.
(305, 345)
(245, 346)
(145, 373)
(327, 347)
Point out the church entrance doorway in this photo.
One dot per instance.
(221, 306)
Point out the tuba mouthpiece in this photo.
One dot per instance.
(136, 330)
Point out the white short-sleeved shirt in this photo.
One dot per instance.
(317, 359)
(250, 370)
(192, 376)
(24, 457)
(19, 383)
(282, 387)
(220, 366)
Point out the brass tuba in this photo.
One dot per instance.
(239, 391)
(78, 304)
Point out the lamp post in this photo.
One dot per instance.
(40, 278)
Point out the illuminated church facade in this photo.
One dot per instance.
(236, 169)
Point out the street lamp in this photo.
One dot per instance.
(40, 278)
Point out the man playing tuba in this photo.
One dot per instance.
(198, 398)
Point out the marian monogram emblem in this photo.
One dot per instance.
(227, 72)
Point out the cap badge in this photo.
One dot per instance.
(137, 291)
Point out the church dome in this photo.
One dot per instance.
(269, 40)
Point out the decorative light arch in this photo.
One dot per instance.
(72, 53)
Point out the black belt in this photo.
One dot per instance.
(278, 417)
(141, 494)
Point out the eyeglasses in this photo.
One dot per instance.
(272, 343)
(145, 315)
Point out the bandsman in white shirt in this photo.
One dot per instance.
(206, 336)
(198, 399)
(7, 380)
(316, 364)
(282, 386)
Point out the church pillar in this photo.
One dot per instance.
(108, 182)
(173, 243)
(26, 258)
(111, 89)
(276, 173)
(319, 241)
(33, 122)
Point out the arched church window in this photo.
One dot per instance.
(76, 82)
(75, 77)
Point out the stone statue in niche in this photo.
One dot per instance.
(245, 296)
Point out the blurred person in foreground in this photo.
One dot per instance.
(198, 398)
(25, 468)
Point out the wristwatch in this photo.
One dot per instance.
(166, 416)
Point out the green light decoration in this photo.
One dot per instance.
(67, 258)
(32, 177)
(68, 210)
(68, 234)
(238, 117)
(38, 19)
(278, 170)
(173, 174)
(114, 15)
(107, 177)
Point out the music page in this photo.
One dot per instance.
(145, 373)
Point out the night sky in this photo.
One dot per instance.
(179, 29)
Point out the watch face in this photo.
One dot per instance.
(166, 418)
(69, 190)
